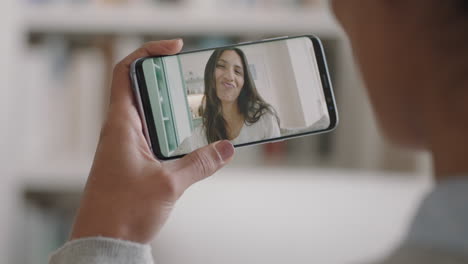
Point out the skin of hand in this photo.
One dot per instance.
(413, 56)
(129, 194)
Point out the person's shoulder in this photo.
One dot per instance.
(269, 117)
(269, 113)
(196, 140)
(269, 124)
(438, 231)
(199, 131)
(198, 137)
(423, 255)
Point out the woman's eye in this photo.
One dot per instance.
(238, 73)
(219, 66)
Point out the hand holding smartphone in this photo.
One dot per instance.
(129, 194)
(248, 93)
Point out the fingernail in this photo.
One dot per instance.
(225, 149)
(179, 40)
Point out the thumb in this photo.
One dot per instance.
(204, 162)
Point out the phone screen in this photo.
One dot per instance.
(248, 93)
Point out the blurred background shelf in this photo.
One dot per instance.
(176, 20)
(55, 175)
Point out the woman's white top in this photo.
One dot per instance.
(265, 128)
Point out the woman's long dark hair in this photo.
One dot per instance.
(251, 104)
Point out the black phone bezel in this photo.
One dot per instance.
(324, 76)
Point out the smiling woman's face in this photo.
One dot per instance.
(229, 75)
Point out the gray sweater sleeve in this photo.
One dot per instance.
(100, 250)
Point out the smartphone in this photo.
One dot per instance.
(248, 93)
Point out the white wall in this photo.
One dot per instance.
(194, 62)
(193, 67)
(279, 84)
(259, 57)
(308, 80)
(292, 83)
(10, 122)
(179, 103)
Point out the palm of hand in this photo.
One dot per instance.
(129, 194)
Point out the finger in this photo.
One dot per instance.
(121, 90)
(203, 162)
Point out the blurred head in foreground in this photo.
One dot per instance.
(414, 60)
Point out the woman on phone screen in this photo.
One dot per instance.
(232, 108)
